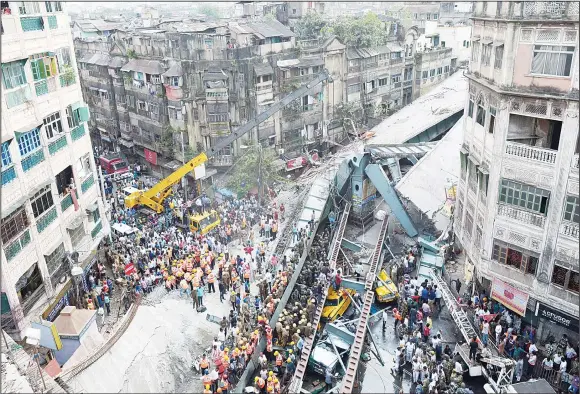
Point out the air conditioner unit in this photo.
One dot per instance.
(280, 151)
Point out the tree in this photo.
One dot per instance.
(245, 174)
(364, 32)
(209, 10)
(310, 26)
(345, 112)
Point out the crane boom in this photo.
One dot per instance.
(154, 197)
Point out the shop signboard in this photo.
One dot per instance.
(62, 300)
(150, 156)
(296, 163)
(129, 269)
(558, 317)
(509, 296)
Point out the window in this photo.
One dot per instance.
(439, 70)
(383, 81)
(53, 6)
(142, 105)
(432, 73)
(498, 57)
(41, 201)
(131, 101)
(13, 74)
(524, 196)
(480, 118)
(470, 109)
(486, 54)
(435, 17)
(174, 81)
(64, 180)
(63, 58)
(354, 88)
(515, 257)
(28, 142)
(84, 166)
(43, 66)
(175, 113)
(28, 7)
(76, 116)
(571, 211)
(475, 52)
(442, 44)
(415, 16)
(396, 78)
(76, 235)
(566, 278)
(95, 215)
(13, 224)
(52, 125)
(6, 157)
(468, 223)
(463, 160)
(55, 264)
(428, 16)
(446, 69)
(483, 180)
(492, 114)
(154, 108)
(552, 60)
(425, 74)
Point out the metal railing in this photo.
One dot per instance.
(570, 229)
(14, 247)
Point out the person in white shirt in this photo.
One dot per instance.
(485, 332)
(498, 330)
(458, 368)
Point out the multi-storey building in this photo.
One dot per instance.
(50, 191)
(518, 209)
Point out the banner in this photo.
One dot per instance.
(296, 163)
(150, 156)
(509, 296)
(129, 269)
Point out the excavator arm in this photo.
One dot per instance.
(154, 197)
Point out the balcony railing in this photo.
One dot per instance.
(97, 229)
(570, 229)
(66, 202)
(32, 24)
(8, 175)
(222, 161)
(57, 145)
(33, 160)
(521, 215)
(45, 220)
(78, 132)
(550, 9)
(52, 22)
(46, 86)
(18, 96)
(530, 152)
(14, 247)
(87, 183)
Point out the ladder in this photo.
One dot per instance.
(297, 379)
(506, 365)
(357, 346)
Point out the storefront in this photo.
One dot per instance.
(551, 322)
(87, 265)
(61, 300)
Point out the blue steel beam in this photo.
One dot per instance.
(340, 332)
(351, 245)
(381, 182)
(356, 286)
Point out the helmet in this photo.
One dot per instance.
(290, 351)
(207, 386)
(256, 379)
(270, 373)
(276, 353)
(289, 360)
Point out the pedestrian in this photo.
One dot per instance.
(473, 346)
(200, 291)
(222, 291)
(108, 304)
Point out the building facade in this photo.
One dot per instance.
(517, 210)
(50, 191)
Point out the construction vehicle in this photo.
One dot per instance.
(154, 197)
(385, 289)
(204, 222)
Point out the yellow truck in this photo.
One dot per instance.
(385, 289)
(336, 304)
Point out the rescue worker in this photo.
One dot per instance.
(204, 364)
(211, 282)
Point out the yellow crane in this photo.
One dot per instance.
(156, 195)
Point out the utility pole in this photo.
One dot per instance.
(183, 180)
(259, 174)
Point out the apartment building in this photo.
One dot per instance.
(50, 193)
(518, 210)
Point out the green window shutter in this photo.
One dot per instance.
(4, 304)
(6, 72)
(83, 114)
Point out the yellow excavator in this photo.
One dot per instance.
(156, 195)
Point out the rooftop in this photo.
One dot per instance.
(72, 321)
(428, 110)
(94, 25)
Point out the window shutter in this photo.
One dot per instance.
(82, 114)
(6, 72)
(41, 68)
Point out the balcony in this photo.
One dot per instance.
(13, 248)
(97, 229)
(222, 161)
(531, 153)
(31, 300)
(8, 175)
(66, 202)
(78, 132)
(87, 183)
(217, 94)
(520, 215)
(33, 160)
(57, 145)
(67, 80)
(45, 87)
(18, 96)
(570, 229)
